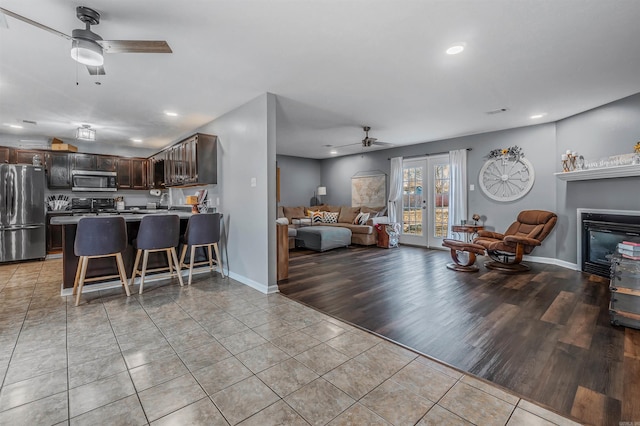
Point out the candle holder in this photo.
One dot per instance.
(566, 165)
(572, 161)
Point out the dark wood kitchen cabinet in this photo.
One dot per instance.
(54, 233)
(25, 156)
(106, 163)
(58, 171)
(5, 154)
(83, 162)
(192, 161)
(132, 173)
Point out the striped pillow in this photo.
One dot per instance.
(317, 216)
(361, 219)
(330, 217)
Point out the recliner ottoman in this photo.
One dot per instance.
(322, 238)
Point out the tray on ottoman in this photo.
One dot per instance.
(322, 238)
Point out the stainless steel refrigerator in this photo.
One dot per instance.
(22, 212)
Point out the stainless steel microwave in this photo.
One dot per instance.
(94, 181)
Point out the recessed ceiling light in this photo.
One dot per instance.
(455, 49)
(536, 116)
(136, 140)
(333, 152)
(14, 126)
(171, 114)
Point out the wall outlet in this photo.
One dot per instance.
(254, 182)
(217, 201)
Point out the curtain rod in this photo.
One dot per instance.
(426, 155)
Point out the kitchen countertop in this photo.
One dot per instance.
(128, 217)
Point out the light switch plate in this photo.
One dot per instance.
(472, 187)
(254, 182)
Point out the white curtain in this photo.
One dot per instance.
(395, 188)
(457, 187)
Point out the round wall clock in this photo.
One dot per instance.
(506, 178)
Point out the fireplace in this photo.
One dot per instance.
(599, 233)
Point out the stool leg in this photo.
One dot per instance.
(193, 255)
(83, 272)
(178, 269)
(184, 252)
(123, 273)
(218, 258)
(210, 257)
(170, 261)
(135, 267)
(75, 281)
(145, 257)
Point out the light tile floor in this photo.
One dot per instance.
(217, 353)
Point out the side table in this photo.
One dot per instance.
(470, 231)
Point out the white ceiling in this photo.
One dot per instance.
(335, 65)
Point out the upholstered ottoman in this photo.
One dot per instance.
(322, 238)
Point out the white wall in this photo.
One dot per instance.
(246, 150)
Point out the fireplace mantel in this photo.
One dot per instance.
(601, 173)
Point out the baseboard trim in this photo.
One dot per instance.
(254, 284)
(552, 261)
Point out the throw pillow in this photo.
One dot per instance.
(348, 214)
(282, 221)
(361, 219)
(330, 217)
(317, 216)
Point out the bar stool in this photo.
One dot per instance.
(157, 233)
(203, 230)
(99, 237)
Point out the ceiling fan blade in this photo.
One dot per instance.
(34, 23)
(135, 46)
(96, 70)
(382, 143)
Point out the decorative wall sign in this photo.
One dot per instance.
(368, 189)
(506, 175)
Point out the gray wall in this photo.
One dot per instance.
(247, 150)
(537, 142)
(299, 179)
(608, 130)
(612, 129)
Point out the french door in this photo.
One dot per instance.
(425, 201)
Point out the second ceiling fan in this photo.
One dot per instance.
(88, 47)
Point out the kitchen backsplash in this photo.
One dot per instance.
(131, 198)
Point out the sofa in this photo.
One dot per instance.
(362, 234)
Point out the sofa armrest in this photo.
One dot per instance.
(376, 220)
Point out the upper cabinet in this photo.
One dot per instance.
(83, 162)
(58, 170)
(132, 173)
(5, 155)
(106, 163)
(25, 156)
(192, 161)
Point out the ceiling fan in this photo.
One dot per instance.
(88, 47)
(368, 141)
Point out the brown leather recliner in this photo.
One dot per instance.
(527, 232)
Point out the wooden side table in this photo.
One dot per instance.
(470, 231)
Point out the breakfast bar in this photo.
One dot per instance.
(107, 267)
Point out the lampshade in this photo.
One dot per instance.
(86, 133)
(322, 190)
(87, 52)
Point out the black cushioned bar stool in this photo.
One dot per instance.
(157, 233)
(99, 237)
(203, 230)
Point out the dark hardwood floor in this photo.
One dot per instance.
(544, 334)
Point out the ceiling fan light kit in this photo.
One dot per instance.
(87, 52)
(88, 48)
